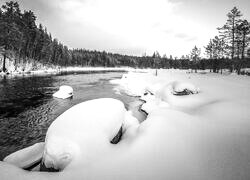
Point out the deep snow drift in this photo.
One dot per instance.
(204, 135)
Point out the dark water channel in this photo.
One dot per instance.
(27, 107)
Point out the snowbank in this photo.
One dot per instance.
(26, 157)
(86, 127)
(203, 136)
(40, 69)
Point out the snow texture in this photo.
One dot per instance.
(86, 127)
(64, 92)
(26, 157)
(198, 136)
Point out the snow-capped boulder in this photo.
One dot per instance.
(160, 95)
(153, 104)
(82, 131)
(183, 88)
(27, 158)
(154, 87)
(64, 92)
(129, 121)
(147, 96)
(179, 93)
(176, 88)
(131, 84)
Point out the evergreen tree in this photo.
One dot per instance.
(229, 31)
(195, 57)
(243, 31)
(10, 34)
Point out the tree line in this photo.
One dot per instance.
(231, 46)
(22, 40)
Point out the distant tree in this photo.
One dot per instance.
(195, 57)
(248, 52)
(229, 30)
(21, 37)
(156, 59)
(243, 31)
(31, 35)
(10, 34)
(183, 57)
(209, 49)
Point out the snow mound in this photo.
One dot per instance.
(131, 84)
(82, 129)
(154, 104)
(130, 125)
(200, 136)
(165, 95)
(26, 157)
(175, 94)
(64, 92)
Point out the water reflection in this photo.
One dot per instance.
(27, 107)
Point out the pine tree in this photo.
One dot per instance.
(10, 34)
(243, 31)
(209, 49)
(195, 57)
(229, 31)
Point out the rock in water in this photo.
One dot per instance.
(81, 131)
(64, 92)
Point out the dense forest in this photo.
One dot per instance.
(22, 40)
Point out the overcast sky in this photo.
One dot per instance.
(134, 26)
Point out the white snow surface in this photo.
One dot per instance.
(64, 92)
(27, 156)
(86, 127)
(198, 136)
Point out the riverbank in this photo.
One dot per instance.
(201, 135)
(61, 70)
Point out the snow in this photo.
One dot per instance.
(26, 157)
(128, 84)
(152, 104)
(36, 68)
(198, 136)
(64, 92)
(130, 125)
(86, 126)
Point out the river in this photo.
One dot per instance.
(27, 106)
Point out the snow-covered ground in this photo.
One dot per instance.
(203, 135)
(37, 68)
(56, 70)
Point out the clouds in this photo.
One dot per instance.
(127, 26)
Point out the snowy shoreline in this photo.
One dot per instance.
(61, 70)
(203, 134)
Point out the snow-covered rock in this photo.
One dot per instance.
(64, 92)
(164, 95)
(153, 104)
(27, 157)
(175, 94)
(183, 88)
(131, 84)
(130, 125)
(82, 131)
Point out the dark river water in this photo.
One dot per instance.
(27, 107)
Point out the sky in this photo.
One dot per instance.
(134, 27)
